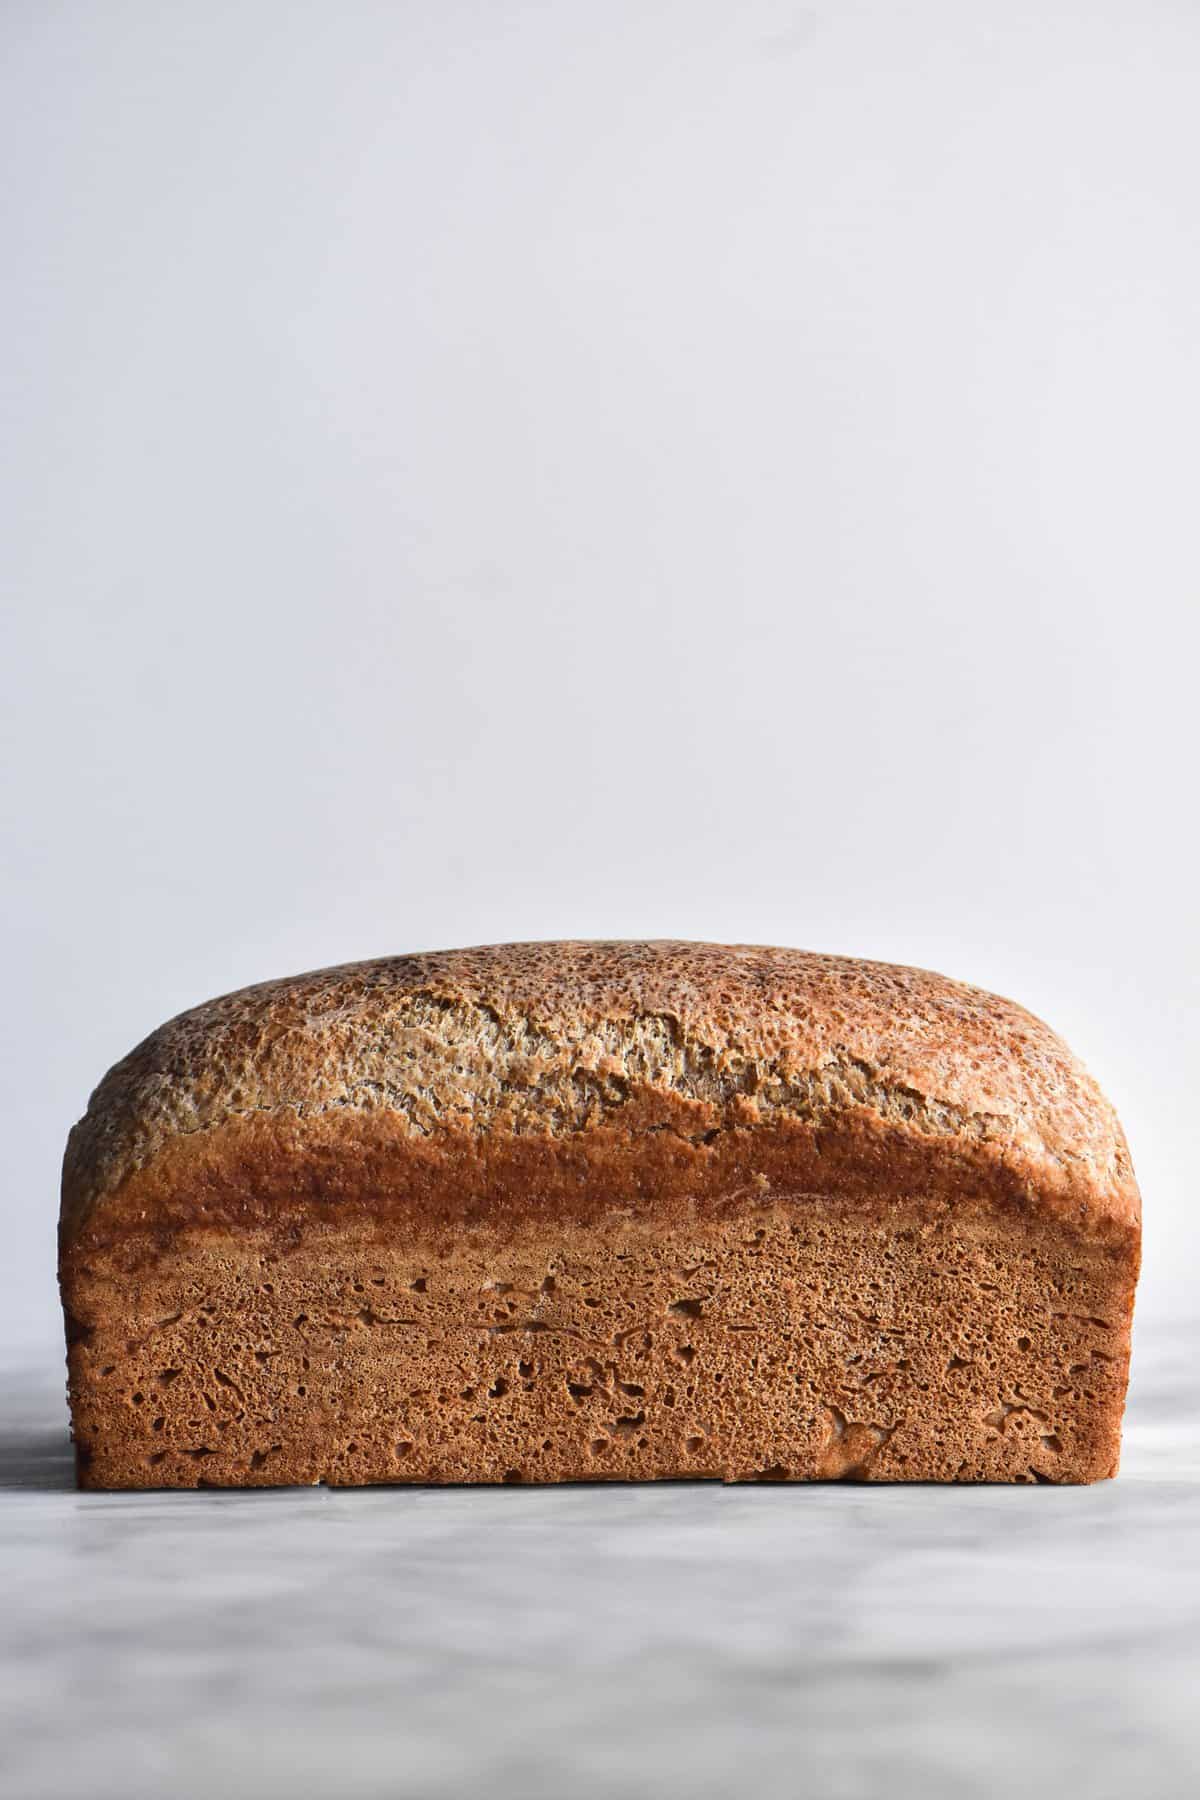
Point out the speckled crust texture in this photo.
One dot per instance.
(486, 1112)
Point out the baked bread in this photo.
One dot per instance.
(551, 1212)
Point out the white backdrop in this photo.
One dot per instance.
(491, 470)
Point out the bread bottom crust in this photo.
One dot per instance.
(786, 1344)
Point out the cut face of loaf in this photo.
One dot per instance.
(579, 1211)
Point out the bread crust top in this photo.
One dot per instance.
(600, 1041)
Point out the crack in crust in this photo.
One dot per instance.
(512, 1081)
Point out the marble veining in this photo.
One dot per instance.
(839, 1641)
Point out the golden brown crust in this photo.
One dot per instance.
(674, 1067)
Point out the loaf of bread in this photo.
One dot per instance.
(580, 1211)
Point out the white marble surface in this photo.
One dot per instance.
(837, 1641)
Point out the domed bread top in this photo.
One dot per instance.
(561, 1041)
